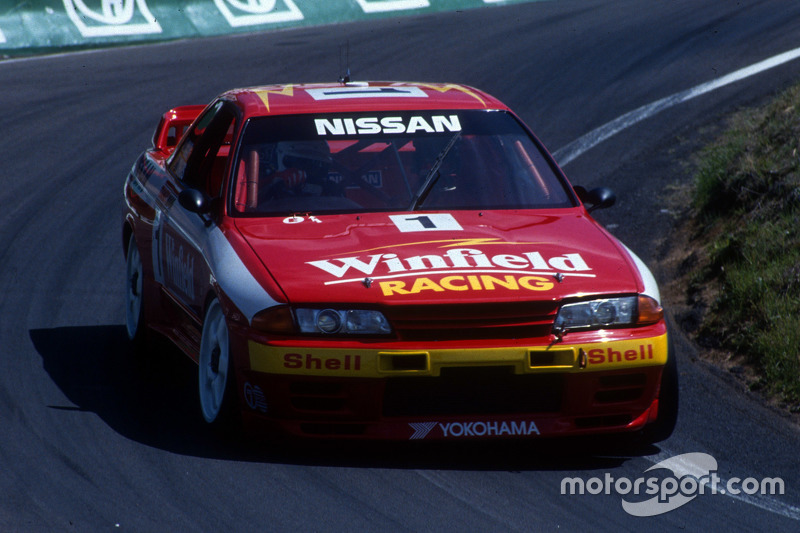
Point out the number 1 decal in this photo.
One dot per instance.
(429, 222)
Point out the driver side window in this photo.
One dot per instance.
(202, 157)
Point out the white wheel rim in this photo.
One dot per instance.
(133, 291)
(214, 362)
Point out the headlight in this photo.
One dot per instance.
(347, 322)
(594, 314)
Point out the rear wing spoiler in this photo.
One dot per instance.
(172, 126)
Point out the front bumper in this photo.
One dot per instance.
(604, 386)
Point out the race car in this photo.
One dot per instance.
(389, 261)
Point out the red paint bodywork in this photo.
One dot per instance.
(475, 293)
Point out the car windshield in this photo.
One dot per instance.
(391, 161)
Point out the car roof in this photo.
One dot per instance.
(358, 96)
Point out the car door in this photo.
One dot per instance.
(181, 236)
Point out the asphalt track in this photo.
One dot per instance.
(90, 441)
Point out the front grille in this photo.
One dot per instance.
(473, 391)
(621, 388)
(618, 396)
(317, 396)
(588, 422)
(507, 320)
(332, 430)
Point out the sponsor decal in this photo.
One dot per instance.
(514, 428)
(285, 91)
(297, 219)
(455, 258)
(255, 398)
(457, 269)
(375, 363)
(110, 18)
(382, 6)
(136, 186)
(387, 125)
(240, 13)
(311, 362)
(430, 222)
(598, 356)
(421, 429)
(180, 267)
(372, 177)
(453, 87)
(620, 354)
(366, 92)
(466, 283)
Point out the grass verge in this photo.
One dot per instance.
(745, 227)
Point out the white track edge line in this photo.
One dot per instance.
(579, 146)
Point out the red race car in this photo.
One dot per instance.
(389, 261)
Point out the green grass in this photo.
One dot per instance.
(747, 214)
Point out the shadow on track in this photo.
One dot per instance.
(154, 402)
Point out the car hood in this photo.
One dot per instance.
(458, 257)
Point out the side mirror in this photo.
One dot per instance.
(598, 198)
(195, 201)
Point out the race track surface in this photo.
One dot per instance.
(92, 441)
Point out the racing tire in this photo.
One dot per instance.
(134, 298)
(668, 395)
(216, 381)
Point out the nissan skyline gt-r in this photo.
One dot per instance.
(395, 261)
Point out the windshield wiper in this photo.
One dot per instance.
(433, 174)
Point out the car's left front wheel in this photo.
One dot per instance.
(215, 375)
